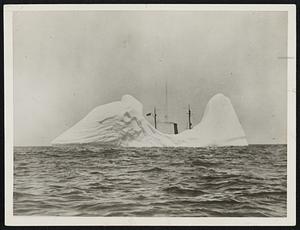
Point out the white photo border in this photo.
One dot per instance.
(11, 220)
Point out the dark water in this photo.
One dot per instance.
(96, 181)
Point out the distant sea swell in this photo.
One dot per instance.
(105, 181)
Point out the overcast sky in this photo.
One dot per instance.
(66, 63)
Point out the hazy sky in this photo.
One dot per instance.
(66, 63)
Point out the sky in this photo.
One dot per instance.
(68, 62)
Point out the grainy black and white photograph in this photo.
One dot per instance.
(150, 113)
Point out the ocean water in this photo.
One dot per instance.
(171, 182)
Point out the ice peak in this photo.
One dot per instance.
(130, 101)
(128, 97)
(219, 97)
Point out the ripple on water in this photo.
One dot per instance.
(104, 181)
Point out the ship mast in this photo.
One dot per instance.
(155, 117)
(166, 100)
(190, 114)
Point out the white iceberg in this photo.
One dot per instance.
(122, 123)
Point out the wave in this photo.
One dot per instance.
(108, 181)
(183, 191)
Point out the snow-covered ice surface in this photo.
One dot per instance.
(122, 123)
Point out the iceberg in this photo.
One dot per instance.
(122, 123)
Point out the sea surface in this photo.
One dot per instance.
(144, 182)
